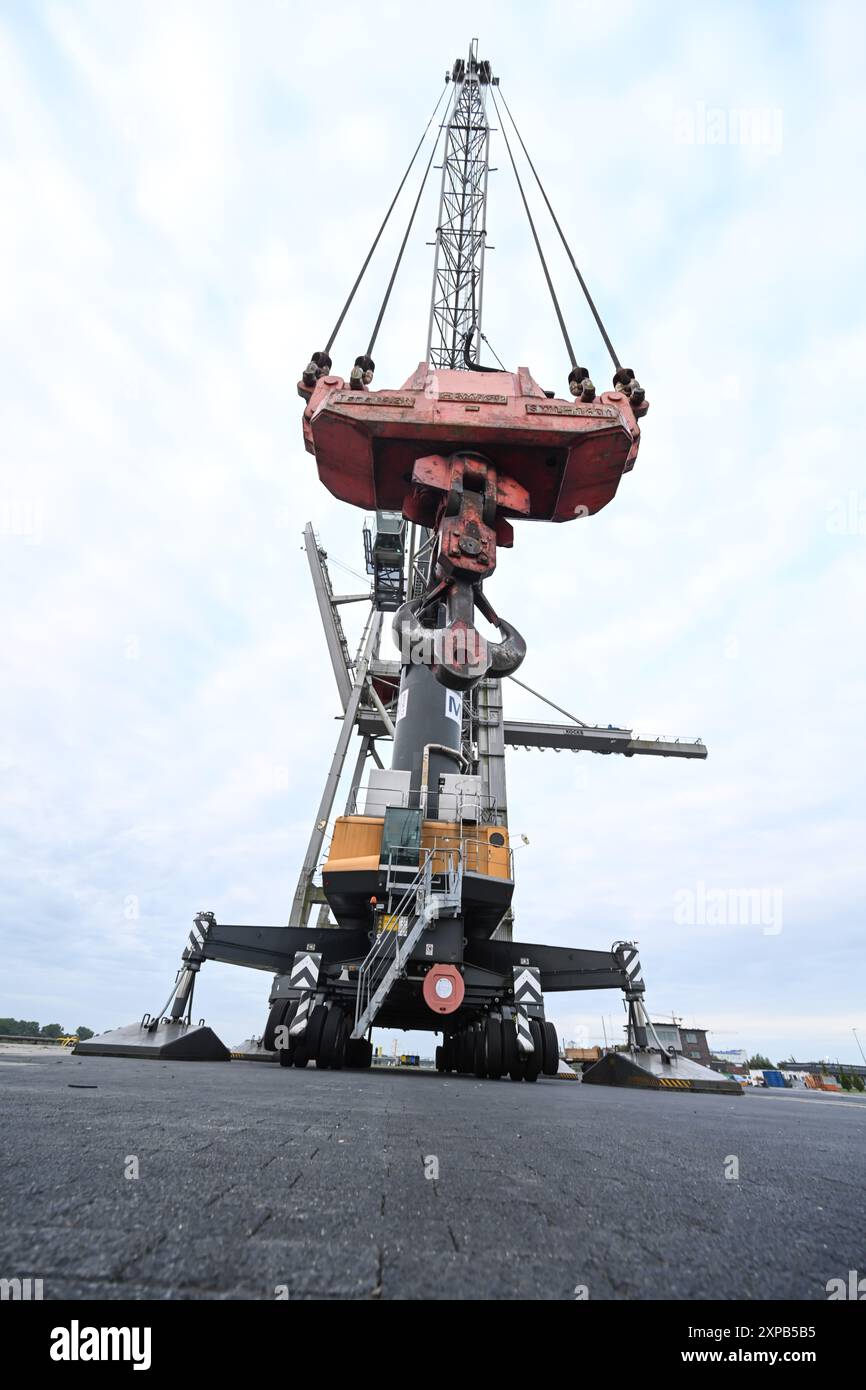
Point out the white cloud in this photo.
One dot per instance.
(188, 193)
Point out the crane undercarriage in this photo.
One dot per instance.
(499, 1028)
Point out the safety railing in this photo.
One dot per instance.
(390, 949)
(452, 806)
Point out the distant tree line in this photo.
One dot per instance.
(26, 1028)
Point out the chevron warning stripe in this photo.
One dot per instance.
(675, 1082)
(304, 976)
(302, 1014)
(524, 1032)
(527, 984)
(192, 952)
(305, 970)
(630, 961)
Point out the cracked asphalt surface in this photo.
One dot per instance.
(253, 1177)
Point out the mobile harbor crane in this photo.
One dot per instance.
(413, 926)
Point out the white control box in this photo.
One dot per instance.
(386, 788)
(459, 797)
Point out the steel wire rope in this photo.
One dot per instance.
(384, 305)
(553, 297)
(353, 291)
(583, 285)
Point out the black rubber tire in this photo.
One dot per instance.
(510, 1056)
(307, 1045)
(338, 1059)
(285, 1056)
(532, 1062)
(275, 1018)
(326, 1054)
(550, 1066)
(493, 1032)
(468, 1055)
(440, 1058)
(313, 1033)
(480, 1053)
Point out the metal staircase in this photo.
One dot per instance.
(420, 905)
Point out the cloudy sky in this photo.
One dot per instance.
(186, 192)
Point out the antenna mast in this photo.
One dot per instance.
(461, 232)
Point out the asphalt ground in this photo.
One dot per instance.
(254, 1179)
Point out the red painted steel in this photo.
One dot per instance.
(381, 449)
(450, 976)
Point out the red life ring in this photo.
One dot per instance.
(444, 989)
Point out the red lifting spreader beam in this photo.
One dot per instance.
(462, 453)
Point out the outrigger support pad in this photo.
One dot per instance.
(169, 1035)
(644, 1063)
(651, 1070)
(158, 1040)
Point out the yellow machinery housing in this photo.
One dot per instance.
(357, 844)
(353, 872)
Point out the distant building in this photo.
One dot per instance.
(690, 1042)
(817, 1068)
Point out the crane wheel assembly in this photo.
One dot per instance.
(405, 920)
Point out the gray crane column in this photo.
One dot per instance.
(426, 713)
